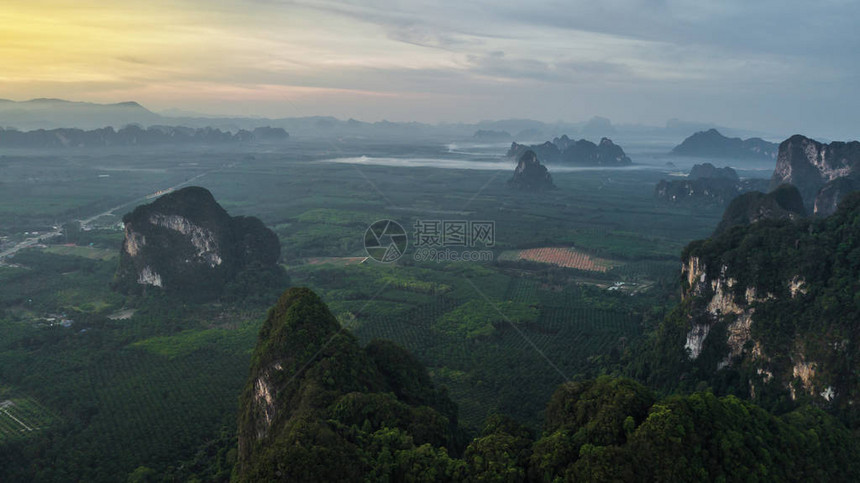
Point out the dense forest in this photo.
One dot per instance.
(434, 371)
(318, 407)
(400, 241)
(798, 347)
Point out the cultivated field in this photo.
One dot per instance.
(160, 385)
(562, 257)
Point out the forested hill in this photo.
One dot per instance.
(784, 202)
(769, 312)
(318, 407)
(186, 246)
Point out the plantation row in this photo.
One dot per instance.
(131, 403)
(648, 269)
(585, 319)
(507, 370)
(19, 418)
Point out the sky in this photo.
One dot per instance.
(777, 66)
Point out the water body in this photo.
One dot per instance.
(491, 157)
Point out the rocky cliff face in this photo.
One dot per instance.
(564, 150)
(773, 304)
(530, 175)
(185, 244)
(724, 304)
(810, 165)
(712, 144)
(722, 301)
(832, 193)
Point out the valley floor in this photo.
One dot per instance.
(575, 275)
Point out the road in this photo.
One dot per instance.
(29, 242)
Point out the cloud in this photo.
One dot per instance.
(496, 65)
(636, 60)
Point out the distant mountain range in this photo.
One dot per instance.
(823, 174)
(133, 135)
(58, 113)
